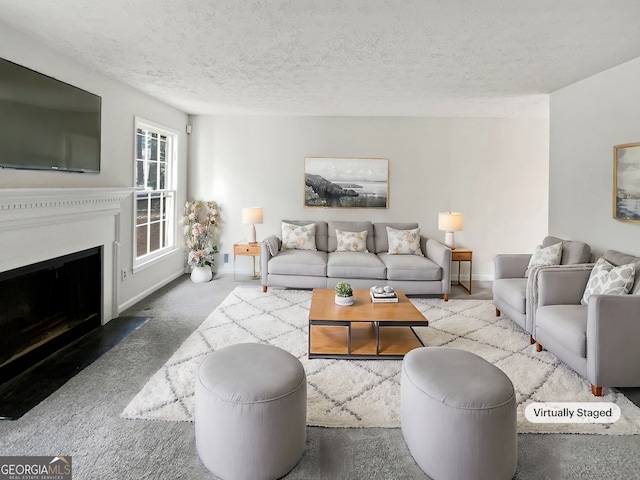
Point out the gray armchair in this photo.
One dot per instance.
(513, 293)
(599, 340)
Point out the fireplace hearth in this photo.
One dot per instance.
(47, 305)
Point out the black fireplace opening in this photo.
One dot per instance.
(46, 306)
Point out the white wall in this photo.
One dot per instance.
(495, 171)
(120, 104)
(587, 119)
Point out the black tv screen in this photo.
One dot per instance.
(47, 124)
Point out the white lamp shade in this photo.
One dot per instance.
(450, 221)
(251, 215)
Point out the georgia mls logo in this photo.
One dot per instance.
(35, 468)
(64, 465)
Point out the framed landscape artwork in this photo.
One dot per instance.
(346, 182)
(626, 182)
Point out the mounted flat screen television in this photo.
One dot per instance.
(46, 124)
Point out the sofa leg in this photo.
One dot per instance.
(497, 312)
(532, 340)
(264, 288)
(446, 297)
(538, 347)
(597, 391)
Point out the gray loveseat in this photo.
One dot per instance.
(598, 340)
(324, 266)
(514, 293)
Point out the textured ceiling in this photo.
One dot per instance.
(340, 57)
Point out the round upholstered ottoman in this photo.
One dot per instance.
(458, 415)
(250, 411)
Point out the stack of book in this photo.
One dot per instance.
(379, 297)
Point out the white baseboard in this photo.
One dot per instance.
(481, 278)
(131, 302)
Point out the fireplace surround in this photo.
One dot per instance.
(39, 225)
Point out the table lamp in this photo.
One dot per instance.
(251, 216)
(450, 222)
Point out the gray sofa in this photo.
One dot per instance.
(324, 267)
(513, 292)
(598, 340)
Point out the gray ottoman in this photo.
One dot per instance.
(458, 415)
(250, 412)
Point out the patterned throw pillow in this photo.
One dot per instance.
(606, 279)
(351, 241)
(404, 242)
(550, 255)
(298, 237)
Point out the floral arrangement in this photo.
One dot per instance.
(200, 220)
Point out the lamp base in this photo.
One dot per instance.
(252, 234)
(449, 240)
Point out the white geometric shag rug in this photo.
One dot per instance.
(366, 393)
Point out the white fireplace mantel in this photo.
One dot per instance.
(23, 206)
(38, 224)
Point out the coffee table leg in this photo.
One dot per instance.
(376, 327)
(349, 339)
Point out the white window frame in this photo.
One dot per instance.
(170, 192)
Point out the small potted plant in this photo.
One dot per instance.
(344, 294)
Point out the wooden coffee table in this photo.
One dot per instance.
(364, 330)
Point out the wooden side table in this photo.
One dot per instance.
(463, 255)
(247, 249)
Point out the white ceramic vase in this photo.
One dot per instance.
(201, 274)
(344, 301)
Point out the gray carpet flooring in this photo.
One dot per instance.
(81, 419)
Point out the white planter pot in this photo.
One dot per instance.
(344, 301)
(201, 274)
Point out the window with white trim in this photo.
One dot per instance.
(155, 211)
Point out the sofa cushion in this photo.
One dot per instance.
(550, 255)
(550, 240)
(349, 227)
(299, 262)
(617, 259)
(351, 241)
(404, 242)
(512, 291)
(410, 267)
(321, 231)
(380, 230)
(606, 279)
(355, 265)
(575, 252)
(567, 324)
(572, 252)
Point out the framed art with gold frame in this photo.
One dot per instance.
(626, 182)
(345, 182)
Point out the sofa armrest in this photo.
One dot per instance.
(269, 248)
(510, 265)
(440, 255)
(562, 284)
(613, 333)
